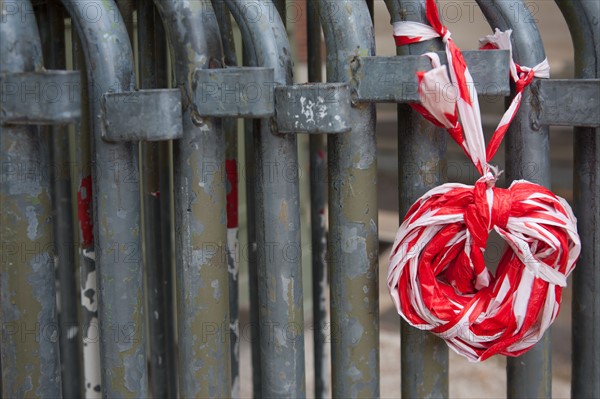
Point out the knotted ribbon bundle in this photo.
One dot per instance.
(437, 275)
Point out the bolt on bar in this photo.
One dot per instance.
(29, 344)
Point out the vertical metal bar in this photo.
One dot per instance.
(277, 219)
(527, 157)
(353, 241)
(250, 127)
(109, 60)
(52, 34)
(318, 200)
(421, 158)
(87, 264)
(371, 7)
(231, 166)
(586, 281)
(125, 8)
(152, 51)
(582, 19)
(281, 7)
(28, 317)
(200, 208)
(165, 162)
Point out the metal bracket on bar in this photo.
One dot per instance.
(393, 79)
(251, 93)
(313, 108)
(244, 92)
(567, 102)
(143, 115)
(40, 98)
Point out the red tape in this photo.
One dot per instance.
(437, 275)
(84, 203)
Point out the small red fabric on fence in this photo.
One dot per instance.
(437, 275)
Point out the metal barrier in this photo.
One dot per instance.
(173, 211)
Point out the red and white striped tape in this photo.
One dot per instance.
(437, 275)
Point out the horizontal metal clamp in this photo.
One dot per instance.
(244, 92)
(252, 93)
(142, 115)
(40, 98)
(313, 108)
(566, 102)
(394, 79)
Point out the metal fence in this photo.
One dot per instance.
(124, 172)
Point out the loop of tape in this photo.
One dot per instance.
(437, 275)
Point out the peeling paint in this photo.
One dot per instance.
(216, 289)
(32, 220)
